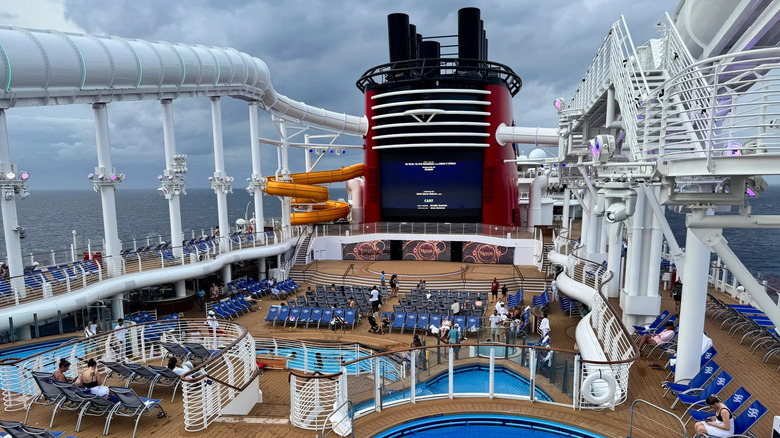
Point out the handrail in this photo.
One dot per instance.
(314, 375)
(519, 274)
(658, 408)
(463, 276)
(351, 267)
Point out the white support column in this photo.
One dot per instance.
(171, 193)
(615, 233)
(656, 244)
(566, 207)
(634, 263)
(107, 187)
(585, 223)
(692, 306)
(11, 230)
(257, 171)
(284, 166)
(220, 183)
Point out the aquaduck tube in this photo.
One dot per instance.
(47, 67)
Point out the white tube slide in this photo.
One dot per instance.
(106, 289)
(525, 135)
(355, 188)
(56, 68)
(535, 200)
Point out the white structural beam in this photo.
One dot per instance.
(284, 171)
(614, 251)
(745, 165)
(692, 307)
(714, 240)
(675, 251)
(174, 204)
(221, 182)
(11, 230)
(526, 135)
(257, 171)
(58, 68)
(735, 221)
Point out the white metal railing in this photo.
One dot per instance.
(730, 103)
(207, 388)
(312, 399)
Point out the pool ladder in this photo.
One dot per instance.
(349, 417)
(671, 431)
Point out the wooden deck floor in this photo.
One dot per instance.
(270, 419)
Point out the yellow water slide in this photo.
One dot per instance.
(303, 190)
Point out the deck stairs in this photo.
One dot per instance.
(302, 253)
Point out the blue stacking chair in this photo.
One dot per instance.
(304, 316)
(700, 379)
(422, 321)
(650, 331)
(410, 323)
(472, 324)
(398, 321)
(327, 317)
(733, 403)
(434, 320)
(541, 300)
(316, 316)
(515, 299)
(350, 318)
(693, 395)
(460, 320)
(273, 313)
(293, 316)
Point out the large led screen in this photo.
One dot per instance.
(373, 250)
(430, 250)
(476, 252)
(441, 185)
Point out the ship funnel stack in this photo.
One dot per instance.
(431, 150)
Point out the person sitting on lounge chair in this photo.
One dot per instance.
(661, 338)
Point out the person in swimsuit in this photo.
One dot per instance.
(93, 380)
(59, 373)
(719, 425)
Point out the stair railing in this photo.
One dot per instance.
(655, 424)
(519, 274)
(350, 268)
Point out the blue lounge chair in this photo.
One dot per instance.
(541, 300)
(304, 317)
(118, 369)
(653, 326)
(693, 395)
(273, 313)
(472, 324)
(293, 316)
(173, 349)
(410, 322)
(284, 312)
(350, 318)
(19, 430)
(748, 418)
(398, 321)
(130, 405)
(422, 321)
(733, 403)
(316, 316)
(515, 299)
(461, 321)
(327, 317)
(435, 320)
(699, 380)
(86, 403)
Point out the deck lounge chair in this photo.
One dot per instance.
(748, 418)
(273, 313)
(19, 430)
(198, 351)
(434, 320)
(733, 403)
(131, 405)
(316, 316)
(284, 312)
(694, 395)
(699, 380)
(304, 317)
(85, 403)
(167, 378)
(472, 324)
(327, 316)
(294, 315)
(173, 349)
(398, 321)
(142, 374)
(118, 369)
(410, 322)
(49, 395)
(422, 321)
(350, 318)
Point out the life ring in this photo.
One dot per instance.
(587, 384)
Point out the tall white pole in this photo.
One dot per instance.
(174, 204)
(13, 245)
(257, 171)
(615, 233)
(585, 224)
(566, 207)
(656, 244)
(634, 262)
(219, 183)
(285, 172)
(107, 187)
(692, 306)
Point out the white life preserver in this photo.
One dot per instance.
(587, 385)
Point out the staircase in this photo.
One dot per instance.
(303, 251)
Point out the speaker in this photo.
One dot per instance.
(457, 251)
(396, 250)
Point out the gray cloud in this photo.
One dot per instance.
(316, 51)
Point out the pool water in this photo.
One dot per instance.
(28, 350)
(328, 360)
(50, 360)
(481, 425)
(466, 379)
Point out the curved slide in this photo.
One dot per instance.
(304, 191)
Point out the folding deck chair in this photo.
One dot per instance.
(19, 430)
(131, 405)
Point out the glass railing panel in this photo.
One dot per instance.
(394, 378)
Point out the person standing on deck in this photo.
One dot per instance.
(374, 299)
(393, 285)
(120, 335)
(677, 295)
(455, 339)
(494, 289)
(382, 279)
(554, 287)
(544, 326)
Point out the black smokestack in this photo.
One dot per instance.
(469, 33)
(413, 49)
(398, 36)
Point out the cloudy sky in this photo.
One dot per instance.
(315, 50)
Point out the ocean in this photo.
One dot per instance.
(50, 217)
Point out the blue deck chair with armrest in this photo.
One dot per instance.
(652, 330)
(398, 321)
(304, 317)
(706, 357)
(461, 321)
(167, 378)
(85, 403)
(733, 403)
(472, 324)
(49, 395)
(434, 320)
(326, 318)
(701, 378)
(316, 316)
(693, 395)
(422, 321)
(293, 316)
(350, 318)
(410, 322)
(284, 312)
(19, 430)
(132, 406)
(198, 351)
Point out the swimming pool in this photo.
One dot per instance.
(328, 360)
(28, 350)
(480, 425)
(16, 384)
(466, 379)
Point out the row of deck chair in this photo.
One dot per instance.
(423, 321)
(478, 311)
(747, 320)
(66, 396)
(231, 307)
(61, 273)
(133, 373)
(330, 299)
(21, 430)
(446, 295)
(298, 316)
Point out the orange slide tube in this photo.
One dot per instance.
(304, 191)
